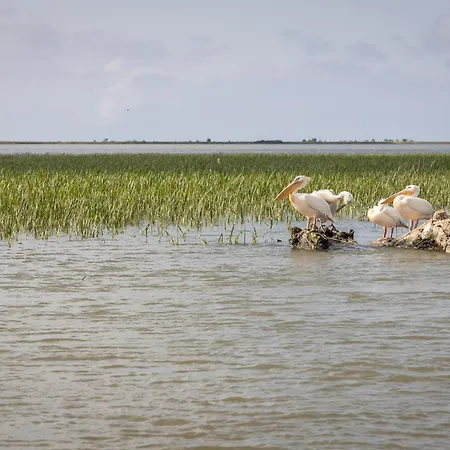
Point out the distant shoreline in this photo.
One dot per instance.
(264, 142)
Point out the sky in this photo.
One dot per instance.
(224, 70)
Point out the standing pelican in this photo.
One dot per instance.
(385, 216)
(310, 206)
(410, 206)
(333, 199)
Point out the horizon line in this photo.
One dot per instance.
(211, 142)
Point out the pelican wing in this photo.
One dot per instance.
(377, 216)
(330, 197)
(395, 216)
(320, 206)
(420, 205)
(327, 194)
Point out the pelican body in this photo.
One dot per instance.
(333, 199)
(407, 203)
(385, 216)
(308, 205)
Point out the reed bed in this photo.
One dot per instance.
(86, 195)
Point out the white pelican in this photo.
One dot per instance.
(385, 216)
(333, 199)
(410, 206)
(310, 206)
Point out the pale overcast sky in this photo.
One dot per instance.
(225, 70)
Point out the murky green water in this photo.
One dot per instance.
(137, 343)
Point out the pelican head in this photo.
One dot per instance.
(411, 190)
(299, 182)
(348, 198)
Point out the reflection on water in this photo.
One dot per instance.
(131, 344)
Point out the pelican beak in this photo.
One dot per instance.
(390, 199)
(289, 189)
(340, 207)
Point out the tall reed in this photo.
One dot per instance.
(87, 194)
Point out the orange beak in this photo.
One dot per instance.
(390, 199)
(289, 189)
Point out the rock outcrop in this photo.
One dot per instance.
(319, 239)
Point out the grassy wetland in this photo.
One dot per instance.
(88, 195)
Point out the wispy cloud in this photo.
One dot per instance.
(160, 68)
(437, 37)
(310, 44)
(114, 66)
(129, 87)
(365, 51)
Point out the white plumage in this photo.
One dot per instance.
(308, 205)
(385, 216)
(407, 203)
(333, 199)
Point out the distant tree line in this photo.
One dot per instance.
(210, 141)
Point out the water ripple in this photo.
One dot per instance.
(132, 344)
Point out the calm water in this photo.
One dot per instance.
(133, 343)
(215, 148)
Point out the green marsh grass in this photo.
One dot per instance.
(86, 195)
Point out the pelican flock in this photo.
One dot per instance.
(410, 206)
(323, 205)
(387, 217)
(405, 203)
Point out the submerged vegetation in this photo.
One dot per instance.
(86, 195)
